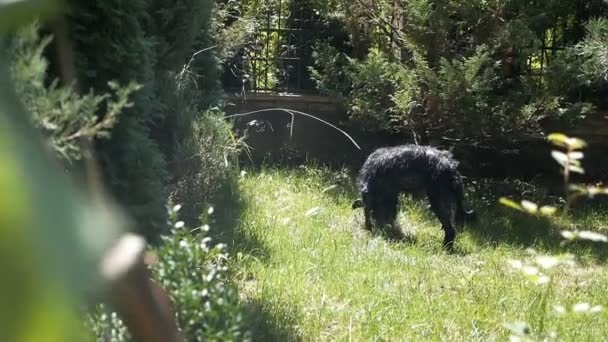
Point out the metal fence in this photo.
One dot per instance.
(276, 59)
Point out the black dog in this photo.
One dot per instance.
(389, 171)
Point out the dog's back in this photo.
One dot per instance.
(403, 168)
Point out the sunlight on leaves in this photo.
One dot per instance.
(558, 139)
(509, 203)
(563, 140)
(576, 143)
(575, 155)
(577, 169)
(548, 210)
(530, 207)
(560, 157)
(584, 235)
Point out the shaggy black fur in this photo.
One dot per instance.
(389, 171)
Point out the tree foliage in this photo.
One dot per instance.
(59, 112)
(475, 70)
(153, 43)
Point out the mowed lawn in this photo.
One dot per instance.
(307, 270)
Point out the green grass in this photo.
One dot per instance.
(321, 276)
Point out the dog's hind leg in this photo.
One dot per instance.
(367, 210)
(385, 210)
(441, 204)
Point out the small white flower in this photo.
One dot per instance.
(547, 262)
(210, 210)
(205, 228)
(568, 235)
(179, 224)
(593, 236)
(183, 244)
(596, 309)
(560, 309)
(581, 307)
(542, 279)
(517, 264)
(177, 207)
(530, 270)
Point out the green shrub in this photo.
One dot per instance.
(62, 115)
(194, 272)
(544, 269)
(206, 160)
(330, 71)
(463, 71)
(594, 51)
(110, 43)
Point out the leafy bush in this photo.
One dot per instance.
(373, 82)
(461, 71)
(207, 160)
(330, 71)
(194, 271)
(365, 87)
(110, 43)
(543, 270)
(59, 112)
(595, 51)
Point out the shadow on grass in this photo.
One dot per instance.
(498, 225)
(226, 221)
(266, 322)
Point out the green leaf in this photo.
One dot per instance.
(592, 236)
(548, 210)
(560, 157)
(558, 139)
(594, 190)
(576, 155)
(568, 235)
(584, 235)
(576, 143)
(530, 207)
(510, 203)
(563, 140)
(577, 169)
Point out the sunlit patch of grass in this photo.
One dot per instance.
(315, 273)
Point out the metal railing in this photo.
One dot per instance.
(277, 57)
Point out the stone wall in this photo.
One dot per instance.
(274, 139)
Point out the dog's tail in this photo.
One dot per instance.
(358, 203)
